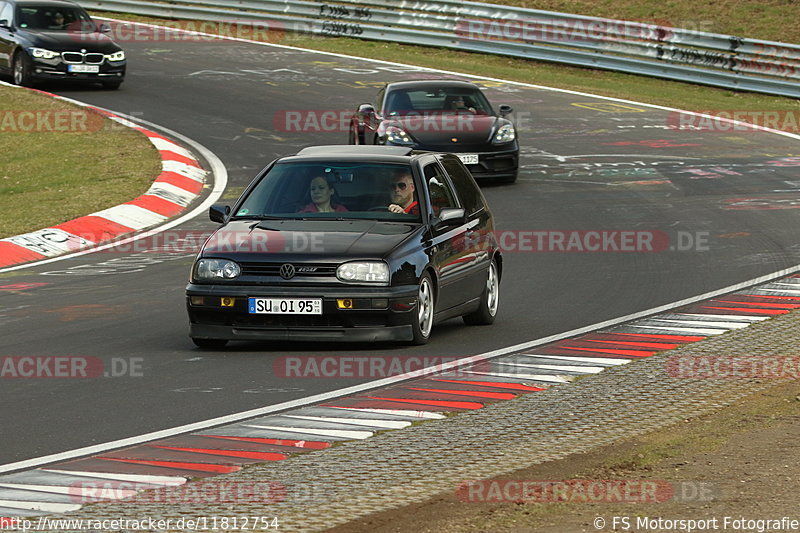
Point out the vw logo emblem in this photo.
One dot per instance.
(287, 271)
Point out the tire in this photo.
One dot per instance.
(111, 85)
(209, 344)
(21, 70)
(423, 317)
(490, 300)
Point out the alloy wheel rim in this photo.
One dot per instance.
(492, 290)
(425, 308)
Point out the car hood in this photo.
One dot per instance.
(438, 129)
(306, 240)
(69, 41)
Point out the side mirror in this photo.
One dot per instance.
(506, 110)
(105, 27)
(366, 110)
(5, 24)
(219, 213)
(451, 216)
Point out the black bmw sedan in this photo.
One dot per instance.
(442, 116)
(56, 40)
(361, 243)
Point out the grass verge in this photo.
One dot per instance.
(61, 161)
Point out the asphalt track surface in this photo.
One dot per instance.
(729, 197)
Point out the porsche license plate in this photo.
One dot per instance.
(468, 159)
(284, 306)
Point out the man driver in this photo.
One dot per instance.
(402, 193)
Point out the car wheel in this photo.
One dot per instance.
(490, 300)
(210, 344)
(21, 70)
(423, 318)
(111, 85)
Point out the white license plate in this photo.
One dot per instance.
(468, 159)
(84, 69)
(284, 306)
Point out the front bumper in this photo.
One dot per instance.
(57, 70)
(377, 314)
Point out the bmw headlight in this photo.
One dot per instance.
(41, 53)
(397, 135)
(213, 269)
(376, 272)
(504, 134)
(116, 56)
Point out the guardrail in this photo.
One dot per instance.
(648, 49)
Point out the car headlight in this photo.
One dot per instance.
(397, 135)
(116, 56)
(504, 134)
(41, 53)
(376, 272)
(211, 269)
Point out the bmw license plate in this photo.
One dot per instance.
(468, 159)
(284, 306)
(84, 69)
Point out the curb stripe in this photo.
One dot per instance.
(399, 412)
(371, 422)
(310, 444)
(199, 467)
(438, 403)
(94, 228)
(477, 394)
(264, 456)
(169, 481)
(344, 433)
(633, 353)
(513, 386)
(156, 205)
(12, 254)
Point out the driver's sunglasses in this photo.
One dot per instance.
(402, 185)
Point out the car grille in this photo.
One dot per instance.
(302, 270)
(92, 58)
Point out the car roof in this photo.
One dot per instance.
(431, 83)
(349, 152)
(53, 3)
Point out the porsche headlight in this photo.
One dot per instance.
(376, 272)
(41, 53)
(213, 269)
(397, 135)
(504, 134)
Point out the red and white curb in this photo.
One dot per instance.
(274, 434)
(180, 182)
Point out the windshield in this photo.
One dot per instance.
(53, 18)
(435, 100)
(334, 190)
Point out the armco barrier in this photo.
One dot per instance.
(625, 46)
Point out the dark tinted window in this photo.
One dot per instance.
(439, 188)
(469, 193)
(53, 18)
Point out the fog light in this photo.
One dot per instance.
(226, 301)
(197, 300)
(344, 303)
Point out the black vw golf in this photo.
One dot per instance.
(56, 40)
(360, 243)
